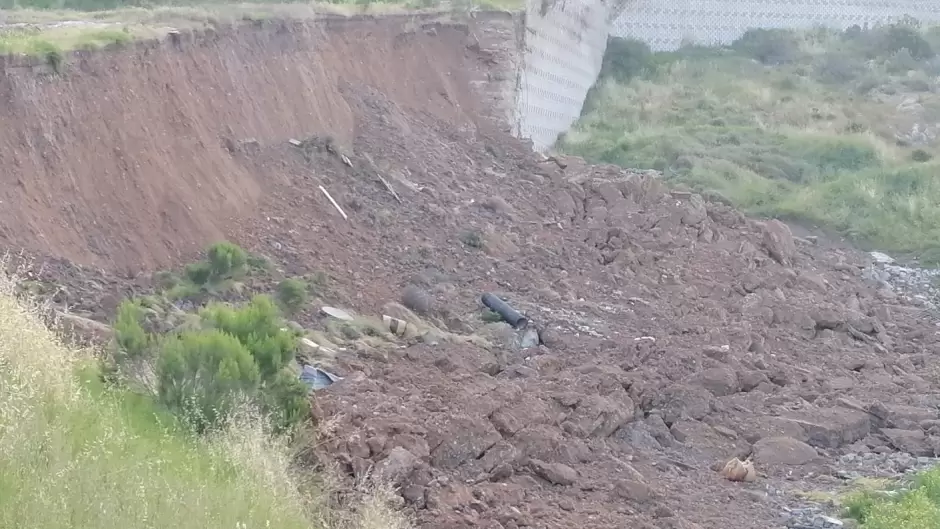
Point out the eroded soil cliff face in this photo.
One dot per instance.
(129, 158)
(676, 333)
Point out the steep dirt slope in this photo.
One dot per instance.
(677, 333)
(126, 158)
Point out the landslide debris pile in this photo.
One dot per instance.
(676, 334)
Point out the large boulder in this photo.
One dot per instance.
(778, 242)
(783, 451)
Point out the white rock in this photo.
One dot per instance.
(882, 258)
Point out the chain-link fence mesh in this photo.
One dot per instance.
(666, 25)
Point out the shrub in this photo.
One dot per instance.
(258, 326)
(284, 398)
(626, 59)
(259, 263)
(838, 68)
(226, 260)
(489, 316)
(897, 37)
(901, 62)
(769, 46)
(165, 280)
(238, 354)
(203, 374)
(472, 239)
(199, 273)
(920, 155)
(131, 337)
(292, 294)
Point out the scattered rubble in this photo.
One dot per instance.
(674, 335)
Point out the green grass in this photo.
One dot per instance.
(52, 44)
(74, 454)
(916, 507)
(36, 28)
(812, 133)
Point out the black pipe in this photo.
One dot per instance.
(509, 314)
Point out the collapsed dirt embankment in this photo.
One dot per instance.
(676, 332)
(129, 158)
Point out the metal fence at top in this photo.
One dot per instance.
(667, 25)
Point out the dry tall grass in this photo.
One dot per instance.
(74, 454)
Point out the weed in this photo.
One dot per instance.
(225, 260)
(472, 238)
(165, 280)
(258, 263)
(489, 316)
(292, 294)
(198, 273)
(769, 46)
(908, 505)
(921, 155)
(132, 339)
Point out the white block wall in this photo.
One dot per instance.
(562, 58)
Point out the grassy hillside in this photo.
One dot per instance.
(834, 128)
(74, 455)
(912, 504)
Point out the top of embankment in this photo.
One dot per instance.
(36, 30)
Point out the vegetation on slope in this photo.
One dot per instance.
(833, 128)
(191, 444)
(913, 505)
(36, 28)
(74, 454)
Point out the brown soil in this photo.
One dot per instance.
(677, 334)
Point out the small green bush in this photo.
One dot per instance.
(202, 375)
(199, 273)
(230, 354)
(769, 46)
(258, 326)
(472, 238)
(898, 37)
(284, 398)
(165, 280)
(489, 316)
(226, 260)
(132, 339)
(901, 62)
(292, 294)
(626, 59)
(838, 68)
